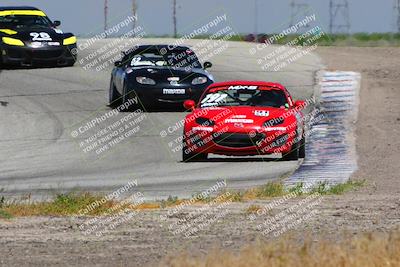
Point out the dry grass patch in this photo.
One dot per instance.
(61, 205)
(369, 250)
(70, 204)
(253, 209)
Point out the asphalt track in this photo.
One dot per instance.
(39, 107)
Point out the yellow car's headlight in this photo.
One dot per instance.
(8, 31)
(12, 41)
(69, 41)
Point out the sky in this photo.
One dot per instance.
(86, 17)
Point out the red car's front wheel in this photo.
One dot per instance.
(191, 157)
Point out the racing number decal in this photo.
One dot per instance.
(42, 36)
(213, 99)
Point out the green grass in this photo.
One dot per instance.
(74, 203)
(356, 39)
(5, 215)
(271, 189)
(361, 39)
(2, 201)
(62, 204)
(236, 196)
(339, 189)
(277, 189)
(171, 200)
(324, 188)
(298, 189)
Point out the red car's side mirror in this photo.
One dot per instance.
(189, 104)
(300, 104)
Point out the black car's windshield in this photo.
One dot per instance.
(22, 21)
(245, 97)
(174, 59)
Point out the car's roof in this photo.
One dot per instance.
(247, 83)
(162, 46)
(5, 8)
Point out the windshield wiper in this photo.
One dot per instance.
(250, 100)
(234, 98)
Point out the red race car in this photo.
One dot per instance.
(241, 118)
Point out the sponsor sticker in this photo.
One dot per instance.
(240, 87)
(239, 116)
(173, 80)
(261, 113)
(36, 44)
(167, 91)
(203, 128)
(239, 121)
(275, 128)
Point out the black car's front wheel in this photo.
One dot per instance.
(127, 95)
(114, 98)
(70, 62)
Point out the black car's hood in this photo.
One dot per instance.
(36, 34)
(165, 72)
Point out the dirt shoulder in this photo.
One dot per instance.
(377, 131)
(146, 238)
(378, 127)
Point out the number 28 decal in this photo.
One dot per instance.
(42, 36)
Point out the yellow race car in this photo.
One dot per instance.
(28, 37)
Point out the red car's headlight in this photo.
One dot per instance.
(205, 122)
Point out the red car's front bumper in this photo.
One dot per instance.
(240, 142)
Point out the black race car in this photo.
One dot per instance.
(28, 37)
(158, 77)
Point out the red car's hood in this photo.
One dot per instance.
(242, 114)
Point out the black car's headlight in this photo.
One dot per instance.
(12, 41)
(199, 80)
(145, 80)
(274, 122)
(205, 122)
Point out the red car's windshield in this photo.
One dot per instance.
(245, 97)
